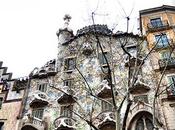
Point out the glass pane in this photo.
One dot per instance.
(38, 113)
(156, 22)
(66, 111)
(71, 64)
(1, 99)
(42, 87)
(102, 58)
(143, 98)
(149, 124)
(165, 55)
(106, 106)
(162, 40)
(140, 124)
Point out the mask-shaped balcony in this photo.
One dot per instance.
(105, 120)
(133, 61)
(87, 49)
(139, 87)
(105, 91)
(67, 96)
(50, 67)
(64, 123)
(39, 99)
(168, 63)
(33, 123)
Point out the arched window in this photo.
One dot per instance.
(140, 124)
(149, 124)
(144, 123)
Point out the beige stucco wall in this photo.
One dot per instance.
(9, 113)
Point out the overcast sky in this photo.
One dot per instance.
(28, 27)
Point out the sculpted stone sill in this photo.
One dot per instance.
(64, 122)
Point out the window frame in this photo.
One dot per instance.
(66, 110)
(67, 64)
(163, 41)
(1, 102)
(102, 60)
(106, 106)
(68, 82)
(156, 22)
(38, 113)
(42, 87)
(141, 98)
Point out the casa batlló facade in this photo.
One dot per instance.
(100, 80)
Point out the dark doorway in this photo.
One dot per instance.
(28, 127)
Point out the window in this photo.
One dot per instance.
(143, 98)
(105, 76)
(68, 82)
(157, 22)
(106, 106)
(162, 40)
(42, 87)
(149, 124)
(144, 124)
(102, 58)
(133, 71)
(38, 113)
(140, 124)
(1, 100)
(171, 81)
(165, 55)
(69, 64)
(66, 111)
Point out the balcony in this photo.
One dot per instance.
(158, 27)
(39, 99)
(105, 120)
(33, 123)
(139, 87)
(105, 90)
(67, 96)
(169, 62)
(63, 122)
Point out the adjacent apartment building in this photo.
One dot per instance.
(158, 25)
(10, 99)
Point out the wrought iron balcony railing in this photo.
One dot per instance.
(159, 26)
(167, 44)
(167, 62)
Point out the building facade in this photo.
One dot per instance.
(10, 99)
(73, 92)
(158, 24)
(101, 80)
